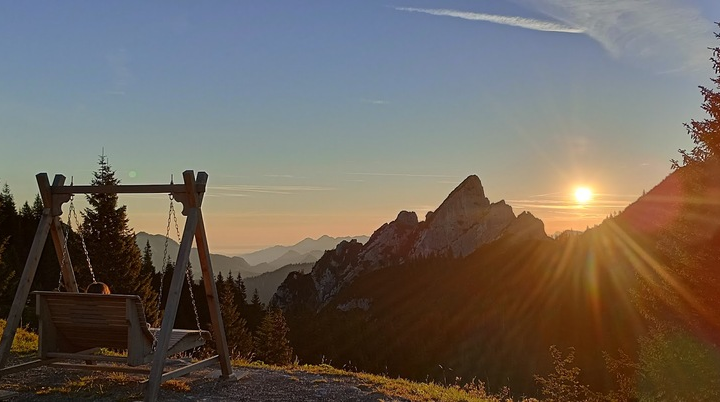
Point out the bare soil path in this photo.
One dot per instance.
(251, 384)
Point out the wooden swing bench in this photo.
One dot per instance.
(75, 326)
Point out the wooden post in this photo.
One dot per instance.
(68, 275)
(216, 320)
(171, 307)
(23, 289)
(56, 232)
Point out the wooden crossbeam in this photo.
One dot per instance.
(187, 369)
(127, 189)
(102, 367)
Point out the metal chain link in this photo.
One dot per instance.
(73, 213)
(163, 270)
(66, 253)
(166, 257)
(187, 276)
(172, 217)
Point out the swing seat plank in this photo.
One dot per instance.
(72, 322)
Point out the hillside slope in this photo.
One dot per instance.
(494, 313)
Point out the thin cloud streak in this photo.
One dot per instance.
(520, 22)
(375, 101)
(668, 35)
(403, 175)
(241, 189)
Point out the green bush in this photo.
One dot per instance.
(676, 366)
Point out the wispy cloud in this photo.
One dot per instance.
(527, 23)
(665, 36)
(375, 101)
(403, 175)
(669, 35)
(241, 190)
(563, 203)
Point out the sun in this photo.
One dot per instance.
(583, 195)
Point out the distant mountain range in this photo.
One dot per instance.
(307, 251)
(268, 282)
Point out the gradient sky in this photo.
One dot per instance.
(329, 117)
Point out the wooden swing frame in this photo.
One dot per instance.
(190, 194)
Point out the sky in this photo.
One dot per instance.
(329, 117)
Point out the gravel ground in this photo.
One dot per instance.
(251, 384)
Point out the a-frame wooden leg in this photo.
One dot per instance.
(213, 299)
(23, 289)
(171, 307)
(68, 275)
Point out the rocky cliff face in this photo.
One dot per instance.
(465, 221)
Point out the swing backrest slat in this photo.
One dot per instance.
(71, 322)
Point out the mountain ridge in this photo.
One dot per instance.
(303, 252)
(305, 246)
(464, 221)
(494, 313)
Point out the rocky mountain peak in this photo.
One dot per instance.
(526, 226)
(467, 200)
(463, 222)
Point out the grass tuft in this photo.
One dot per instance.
(397, 387)
(25, 341)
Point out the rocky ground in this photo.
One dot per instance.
(251, 384)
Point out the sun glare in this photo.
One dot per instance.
(583, 195)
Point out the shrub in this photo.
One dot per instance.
(25, 341)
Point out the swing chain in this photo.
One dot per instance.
(166, 257)
(187, 274)
(172, 218)
(66, 253)
(73, 213)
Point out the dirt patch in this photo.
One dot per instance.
(249, 384)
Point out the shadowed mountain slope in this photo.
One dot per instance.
(489, 303)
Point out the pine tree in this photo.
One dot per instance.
(148, 266)
(48, 270)
(240, 293)
(6, 275)
(8, 214)
(220, 281)
(148, 270)
(26, 211)
(37, 207)
(9, 229)
(238, 338)
(255, 301)
(255, 311)
(271, 343)
(706, 133)
(110, 241)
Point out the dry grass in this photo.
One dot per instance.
(93, 385)
(25, 341)
(398, 387)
